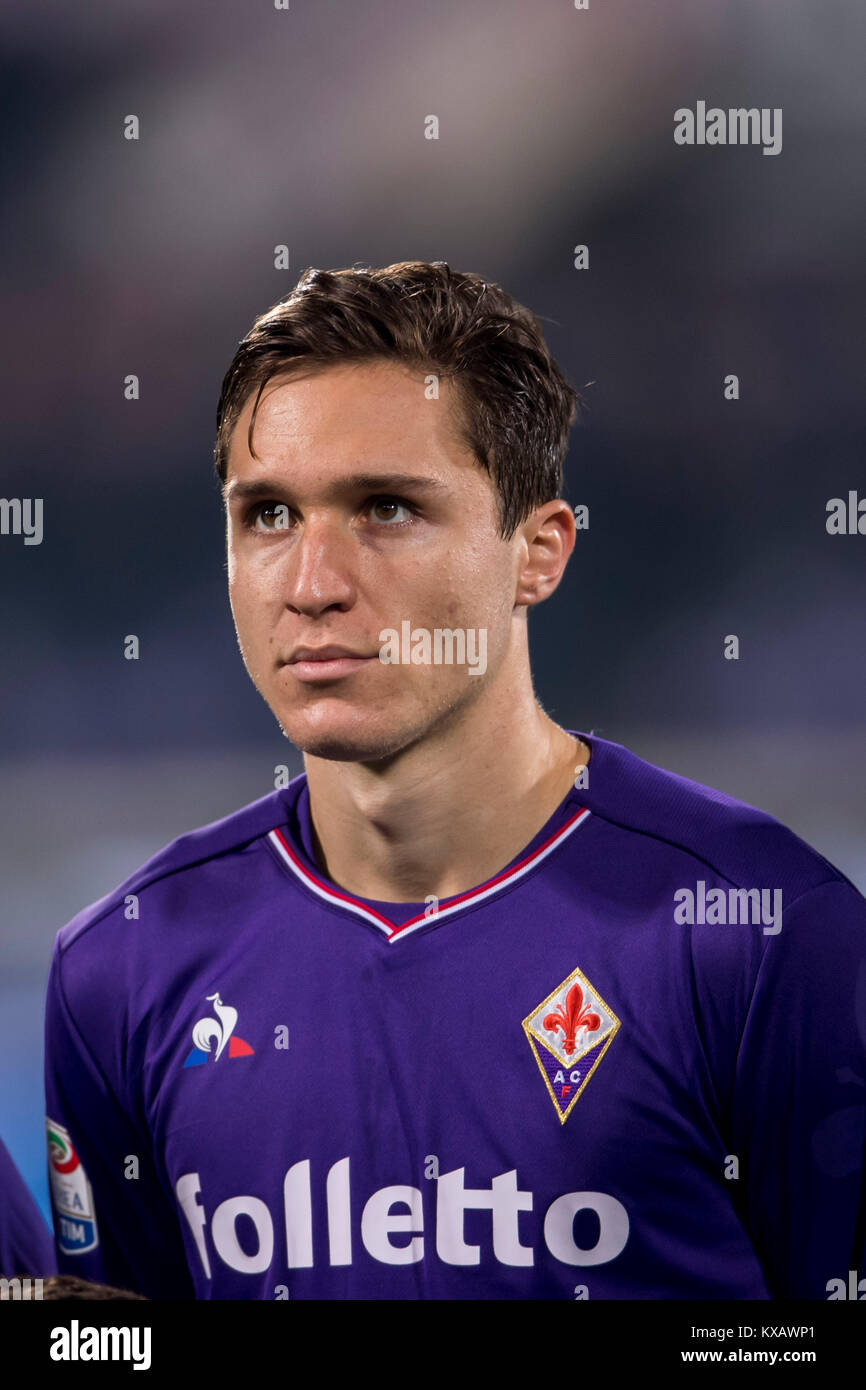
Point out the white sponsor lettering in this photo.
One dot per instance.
(612, 1228)
(378, 1222)
(390, 1215)
(225, 1236)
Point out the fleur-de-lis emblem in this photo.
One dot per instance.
(569, 1032)
(571, 1018)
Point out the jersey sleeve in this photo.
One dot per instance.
(113, 1221)
(26, 1247)
(798, 1121)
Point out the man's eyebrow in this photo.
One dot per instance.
(354, 482)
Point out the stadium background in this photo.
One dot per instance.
(306, 127)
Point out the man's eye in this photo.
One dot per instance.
(269, 516)
(384, 508)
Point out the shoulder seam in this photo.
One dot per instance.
(118, 894)
(838, 876)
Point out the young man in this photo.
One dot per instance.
(477, 1007)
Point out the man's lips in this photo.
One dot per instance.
(325, 653)
(324, 663)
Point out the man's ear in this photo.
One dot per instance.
(548, 539)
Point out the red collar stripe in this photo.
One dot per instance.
(463, 900)
(324, 890)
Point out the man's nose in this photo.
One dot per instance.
(320, 572)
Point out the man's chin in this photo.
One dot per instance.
(346, 738)
(368, 730)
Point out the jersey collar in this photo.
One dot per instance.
(328, 893)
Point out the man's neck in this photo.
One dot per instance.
(449, 813)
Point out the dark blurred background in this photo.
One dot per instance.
(306, 127)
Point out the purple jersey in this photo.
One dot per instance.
(630, 1065)
(26, 1247)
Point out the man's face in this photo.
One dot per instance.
(362, 510)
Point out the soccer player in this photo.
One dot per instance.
(477, 1007)
(26, 1247)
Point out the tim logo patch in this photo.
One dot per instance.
(569, 1033)
(71, 1197)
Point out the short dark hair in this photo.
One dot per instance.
(515, 406)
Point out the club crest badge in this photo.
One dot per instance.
(569, 1033)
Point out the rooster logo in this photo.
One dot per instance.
(214, 1035)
